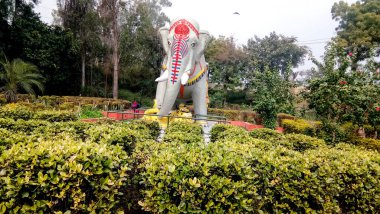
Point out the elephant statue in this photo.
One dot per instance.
(184, 71)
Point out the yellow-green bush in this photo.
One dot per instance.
(16, 111)
(62, 176)
(192, 128)
(152, 126)
(229, 132)
(300, 126)
(183, 133)
(368, 143)
(55, 116)
(300, 142)
(266, 134)
(228, 177)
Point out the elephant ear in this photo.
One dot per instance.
(164, 32)
(204, 38)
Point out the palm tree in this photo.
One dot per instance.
(19, 75)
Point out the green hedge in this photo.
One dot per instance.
(368, 143)
(183, 133)
(266, 134)
(19, 111)
(62, 176)
(300, 142)
(300, 126)
(229, 177)
(228, 132)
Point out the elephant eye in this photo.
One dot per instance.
(169, 43)
(193, 44)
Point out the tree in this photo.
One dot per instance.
(270, 94)
(141, 51)
(83, 20)
(227, 64)
(53, 50)
(277, 52)
(341, 94)
(19, 75)
(359, 28)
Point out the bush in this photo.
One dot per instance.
(191, 128)
(55, 116)
(228, 177)
(225, 131)
(300, 126)
(61, 176)
(368, 143)
(16, 111)
(266, 134)
(90, 112)
(182, 138)
(300, 142)
(153, 127)
(116, 135)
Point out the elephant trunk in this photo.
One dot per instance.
(174, 81)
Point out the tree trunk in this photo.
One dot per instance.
(83, 70)
(115, 50)
(115, 58)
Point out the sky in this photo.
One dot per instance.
(310, 21)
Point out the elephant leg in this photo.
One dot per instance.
(160, 93)
(199, 98)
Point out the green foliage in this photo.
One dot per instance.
(300, 126)
(217, 131)
(191, 128)
(152, 126)
(275, 52)
(270, 94)
(300, 142)
(227, 63)
(89, 112)
(228, 177)
(65, 175)
(19, 75)
(340, 94)
(359, 27)
(229, 133)
(187, 133)
(266, 134)
(18, 111)
(368, 143)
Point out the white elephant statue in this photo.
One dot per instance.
(184, 70)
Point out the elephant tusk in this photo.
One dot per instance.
(163, 77)
(185, 78)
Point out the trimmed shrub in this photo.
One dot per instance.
(55, 116)
(300, 126)
(63, 176)
(8, 139)
(217, 130)
(152, 126)
(266, 134)
(282, 116)
(116, 135)
(300, 142)
(191, 128)
(183, 133)
(225, 177)
(368, 143)
(16, 111)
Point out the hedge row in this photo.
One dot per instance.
(123, 134)
(188, 133)
(230, 177)
(64, 175)
(17, 111)
(69, 102)
(300, 126)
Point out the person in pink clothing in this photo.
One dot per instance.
(135, 105)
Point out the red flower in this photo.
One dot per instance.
(377, 108)
(342, 82)
(350, 54)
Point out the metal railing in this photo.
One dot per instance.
(197, 117)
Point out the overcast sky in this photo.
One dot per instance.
(308, 20)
